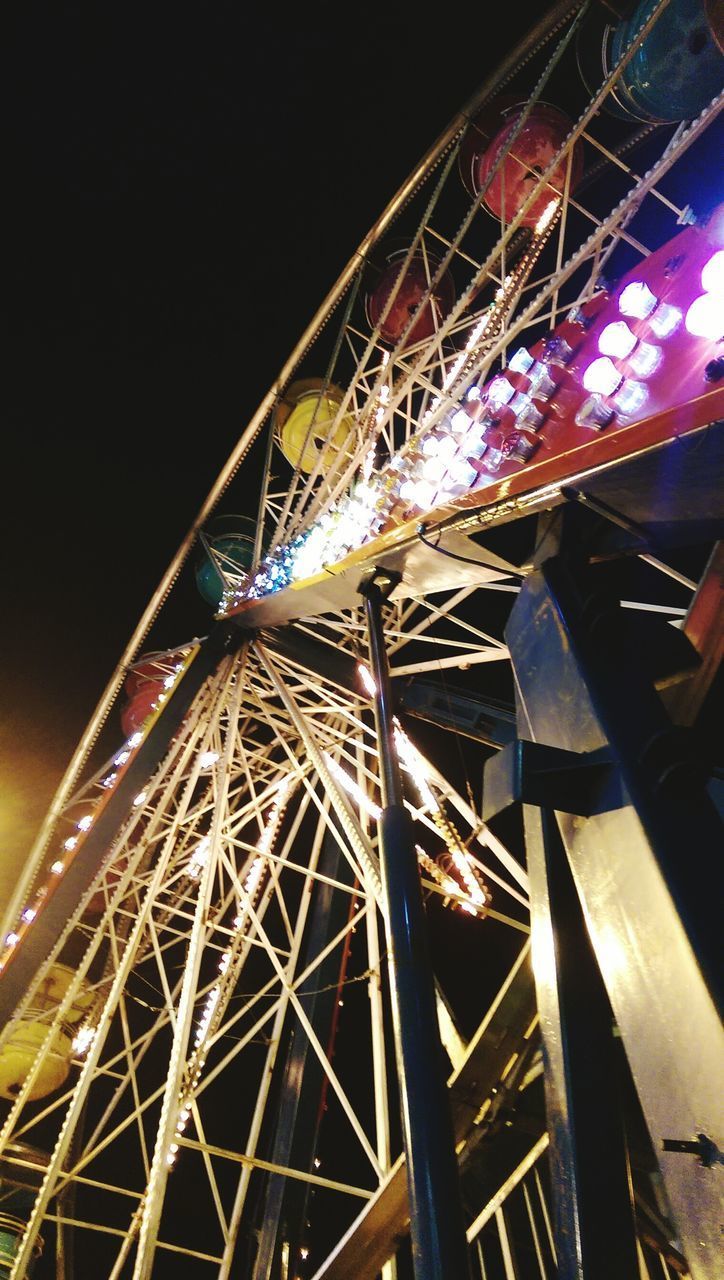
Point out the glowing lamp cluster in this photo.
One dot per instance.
(472, 430)
(439, 463)
(705, 316)
(617, 378)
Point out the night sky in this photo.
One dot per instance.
(182, 187)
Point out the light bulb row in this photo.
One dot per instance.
(70, 847)
(455, 896)
(394, 491)
(71, 844)
(218, 996)
(472, 883)
(494, 424)
(462, 450)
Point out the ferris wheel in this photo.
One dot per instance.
(373, 933)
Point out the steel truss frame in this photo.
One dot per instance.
(224, 919)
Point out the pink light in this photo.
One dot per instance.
(645, 359)
(705, 317)
(602, 376)
(712, 277)
(665, 320)
(631, 397)
(637, 300)
(617, 340)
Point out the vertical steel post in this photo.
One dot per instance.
(593, 1200)
(439, 1245)
(647, 869)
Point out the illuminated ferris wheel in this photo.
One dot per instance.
(365, 936)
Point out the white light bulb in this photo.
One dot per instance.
(366, 678)
(705, 317)
(541, 382)
(637, 300)
(557, 351)
(645, 359)
(617, 340)
(526, 412)
(500, 391)
(665, 320)
(712, 277)
(463, 473)
(418, 492)
(631, 397)
(460, 421)
(430, 446)
(448, 447)
(594, 413)
(473, 446)
(521, 361)
(493, 458)
(602, 376)
(433, 469)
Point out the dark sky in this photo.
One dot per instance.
(182, 186)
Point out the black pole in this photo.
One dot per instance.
(439, 1244)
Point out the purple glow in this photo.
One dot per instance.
(602, 376)
(705, 317)
(645, 359)
(617, 340)
(631, 397)
(637, 300)
(712, 277)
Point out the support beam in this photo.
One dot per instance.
(648, 872)
(590, 1179)
(439, 1245)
